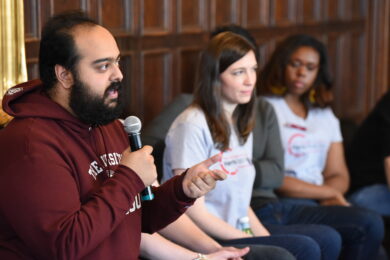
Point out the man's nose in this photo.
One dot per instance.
(116, 73)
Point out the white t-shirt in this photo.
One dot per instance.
(306, 141)
(189, 142)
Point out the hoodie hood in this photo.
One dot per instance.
(29, 100)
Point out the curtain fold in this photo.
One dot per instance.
(12, 47)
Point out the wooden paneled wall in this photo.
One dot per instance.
(160, 41)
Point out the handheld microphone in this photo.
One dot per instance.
(132, 126)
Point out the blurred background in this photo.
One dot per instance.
(160, 41)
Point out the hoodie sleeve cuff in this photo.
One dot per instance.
(179, 192)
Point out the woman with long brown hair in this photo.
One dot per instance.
(221, 120)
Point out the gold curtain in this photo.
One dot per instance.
(12, 51)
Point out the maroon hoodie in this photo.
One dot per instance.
(62, 193)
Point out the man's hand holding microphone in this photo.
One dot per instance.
(198, 179)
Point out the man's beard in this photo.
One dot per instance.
(90, 108)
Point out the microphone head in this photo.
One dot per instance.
(132, 125)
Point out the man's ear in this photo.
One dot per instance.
(64, 76)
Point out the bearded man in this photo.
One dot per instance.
(69, 183)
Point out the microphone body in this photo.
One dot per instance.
(132, 126)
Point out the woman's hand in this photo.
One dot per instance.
(228, 253)
(337, 200)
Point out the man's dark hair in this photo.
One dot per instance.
(57, 45)
(272, 77)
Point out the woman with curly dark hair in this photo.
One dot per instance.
(297, 83)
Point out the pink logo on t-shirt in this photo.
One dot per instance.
(231, 161)
(294, 151)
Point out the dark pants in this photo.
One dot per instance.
(302, 247)
(361, 230)
(257, 252)
(374, 197)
